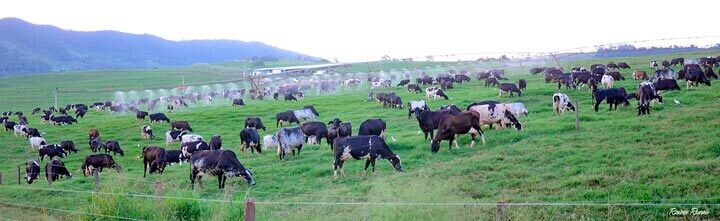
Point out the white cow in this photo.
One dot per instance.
(607, 81)
(518, 109)
(37, 142)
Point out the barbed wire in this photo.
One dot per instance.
(68, 211)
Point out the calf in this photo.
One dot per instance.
(146, 132)
(158, 117)
(98, 162)
(562, 103)
(32, 170)
(215, 142)
(180, 125)
(55, 169)
(509, 87)
(254, 122)
(249, 138)
(113, 146)
(140, 115)
(452, 125)
(370, 147)
(522, 84)
(287, 116)
(612, 96)
(155, 158)
(289, 140)
(373, 127)
(317, 129)
(68, 145)
(413, 88)
(52, 150)
(220, 163)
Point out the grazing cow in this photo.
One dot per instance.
(522, 84)
(450, 107)
(562, 103)
(414, 88)
(289, 140)
(518, 109)
(187, 138)
(287, 116)
(220, 163)
(37, 142)
(393, 101)
(113, 146)
(10, 125)
(289, 97)
(32, 170)
(616, 75)
(35, 110)
(677, 61)
(663, 74)
(215, 142)
(623, 65)
(403, 82)
(19, 130)
(434, 93)
(80, 113)
(612, 65)
(666, 84)
(567, 81)
(52, 150)
(270, 141)
(55, 169)
(32, 132)
(607, 81)
(155, 158)
(60, 120)
(317, 129)
(413, 105)
(445, 85)
(709, 73)
(96, 144)
(238, 102)
(93, 133)
(158, 117)
(249, 138)
(254, 122)
(307, 113)
(452, 125)
(645, 94)
(695, 77)
(175, 156)
(68, 145)
(429, 120)
(180, 125)
(491, 82)
(501, 114)
(146, 132)
(373, 127)
(509, 87)
(140, 115)
(460, 78)
(173, 135)
(98, 162)
(189, 148)
(371, 147)
(611, 96)
(639, 75)
(537, 70)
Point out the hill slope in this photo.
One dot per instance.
(30, 48)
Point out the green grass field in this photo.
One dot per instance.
(670, 156)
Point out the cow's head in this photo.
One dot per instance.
(395, 161)
(510, 120)
(335, 122)
(248, 175)
(435, 146)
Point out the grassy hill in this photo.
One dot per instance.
(670, 156)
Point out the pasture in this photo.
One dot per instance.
(616, 158)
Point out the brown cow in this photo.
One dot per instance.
(639, 75)
(93, 133)
(452, 125)
(156, 158)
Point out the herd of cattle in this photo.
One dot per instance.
(443, 124)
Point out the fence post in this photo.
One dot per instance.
(577, 116)
(96, 179)
(49, 175)
(250, 209)
(158, 190)
(500, 213)
(18, 174)
(0, 178)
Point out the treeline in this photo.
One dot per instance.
(627, 50)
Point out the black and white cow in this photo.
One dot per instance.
(114, 147)
(434, 93)
(254, 122)
(307, 113)
(562, 103)
(317, 129)
(375, 126)
(37, 142)
(289, 140)
(175, 156)
(174, 135)
(32, 132)
(146, 132)
(98, 162)
(413, 105)
(32, 170)
(501, 114)
(55, 169)
(190, 148)
(370, 147)
(220, 163)
(250, 139)
(158, 117)
(60, 120)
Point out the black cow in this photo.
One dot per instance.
(54, 169)
(338, 129)
(238, 102)
(403, 82)
(537, 70)
(155, 158)
(567, 81)
(623, 65)
(677, 61)
(695, 77)
(612, 65)
(51, 150)
(451, 107)
(157, 117)
(372, 127)
(522, 84)
(509, 87)
(113, 146)
(452, 125)
(9, 125)
(32, 132)
(215, 142)
(371, 147)
(68, 145)
(35, 110)
(611, 96)
(429, 120)
(289, 97)
(96, 144)
(220, 163)
(254, 122)
(98, 162)
(414, 88)
(287, 116)
(491, 82)
(80, 113)
(32, 170)
(63, 120)
(616, 75)
(249, 138)
(140, 115)
(709, 73)
(666, 85)
(180, 125)
(175, 156)
(317, 129)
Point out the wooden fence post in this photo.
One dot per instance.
(577, 116)
(0, 178)
(250, 209)
(18, 174)
(96, 179)
(49, 175)
(500, 212)
(158, 190)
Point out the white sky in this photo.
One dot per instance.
(355, 30)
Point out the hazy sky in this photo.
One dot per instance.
(354, 30)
